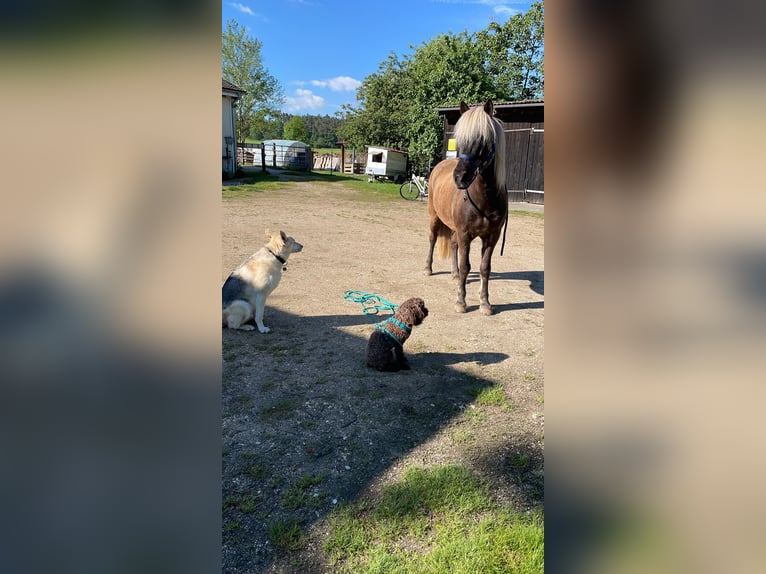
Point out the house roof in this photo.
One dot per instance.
(231, 87)
(286, 143)
(516, 104)
(404, 151)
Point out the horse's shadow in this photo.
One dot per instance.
(536, 278)
(429, 359)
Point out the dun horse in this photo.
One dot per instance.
(467, 199)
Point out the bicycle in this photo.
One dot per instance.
(416, 187)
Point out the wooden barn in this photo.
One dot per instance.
(524, 123)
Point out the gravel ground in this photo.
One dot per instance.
(306, 426)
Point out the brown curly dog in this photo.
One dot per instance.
(384, 348)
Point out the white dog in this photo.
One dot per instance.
(246, 289)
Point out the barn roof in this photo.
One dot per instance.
(515, 104)
(388, 148)
(286, 143)
(231, 87)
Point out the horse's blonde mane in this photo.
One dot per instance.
(477, 124)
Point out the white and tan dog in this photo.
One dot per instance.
(246, 289)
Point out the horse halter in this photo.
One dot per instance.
(472, 165)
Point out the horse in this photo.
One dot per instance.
(467, 199)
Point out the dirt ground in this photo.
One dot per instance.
(307, 427)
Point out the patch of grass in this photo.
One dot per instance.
(283, 408)
(540, 399)
(373, 191)
(418, 346)
(241, 502)
(286, 534)
(298, 496)
(256, 471)
(245, 401)
(438, 520)
(473, 415)
(527, 213)
(492, 395)
(462, 434)
(529, 377)
(253, 183)
(309, 424)
(267, 386)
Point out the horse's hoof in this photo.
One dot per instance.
(428, 272)
(459, 308)
(486, 310)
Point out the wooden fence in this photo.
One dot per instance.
(275, 155)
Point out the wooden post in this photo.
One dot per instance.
(274, 155)
(342, 157)
(263, 157)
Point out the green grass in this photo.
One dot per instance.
(241, 502)
(254, 182)
(286, 534)
(492, 395)
(375, 191)
(527, 213)
(439, 520)
(298, 496)
(282, 408)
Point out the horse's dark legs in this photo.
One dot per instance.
(487, 248)
(453, 244)
(433, 228)
(464, 267)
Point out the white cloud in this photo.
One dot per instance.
(498, 6)
(303, 100)
(338, 84)
(242, 8)
(506, 11)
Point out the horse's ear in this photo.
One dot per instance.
(463, 107)
(489, 107)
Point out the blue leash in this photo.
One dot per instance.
(371, 304)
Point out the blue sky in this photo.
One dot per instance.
(320, 50)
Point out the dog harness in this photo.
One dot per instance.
(398, 323)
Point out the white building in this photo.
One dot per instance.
(231, 93)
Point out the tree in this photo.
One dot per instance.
(242, 64)
(384, 115)
(295, 129)
(514, 53)
(398, 103)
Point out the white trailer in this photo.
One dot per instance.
(386, 163)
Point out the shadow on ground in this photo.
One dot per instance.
(307, 426)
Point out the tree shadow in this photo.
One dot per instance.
(301, 402)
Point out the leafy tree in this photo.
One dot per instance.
(295, 130)
(384, 116)
(447, 69)
(514, 53)
(242, 64)
(398, 103)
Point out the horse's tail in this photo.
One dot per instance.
(443, 247)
